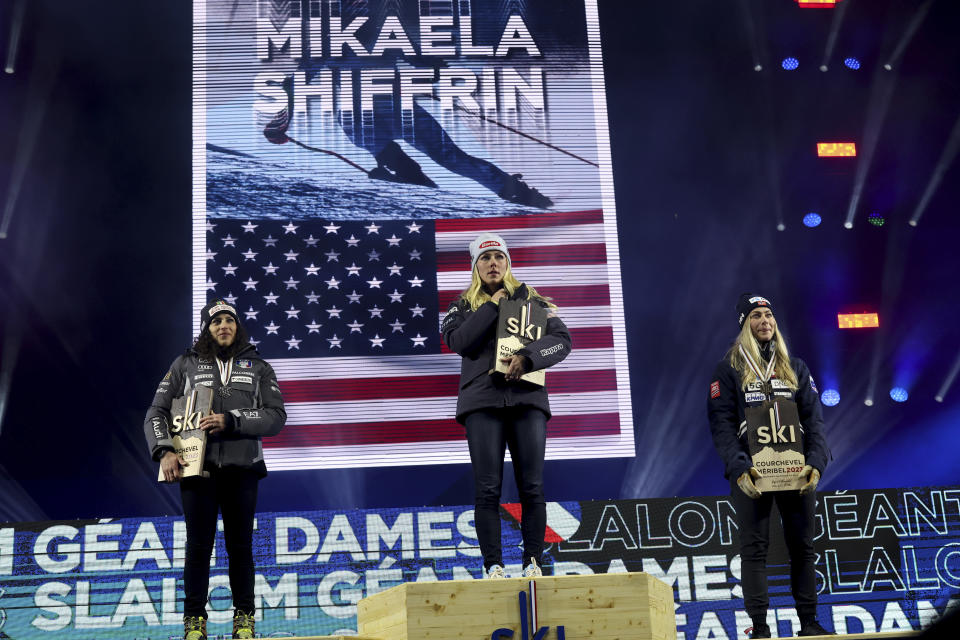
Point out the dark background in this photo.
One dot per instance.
(708, 156)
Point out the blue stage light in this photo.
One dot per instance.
(830, 397)
(812, 220)
(790, 64)
(852, 63)
(899, 394)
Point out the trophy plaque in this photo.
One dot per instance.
(189, 440)
(521, 322)
(775, 442)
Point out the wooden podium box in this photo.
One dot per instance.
(619, 606)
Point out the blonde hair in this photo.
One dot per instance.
(475, 295)
(781, 369)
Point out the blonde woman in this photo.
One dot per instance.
(758, 368)
(500, 412)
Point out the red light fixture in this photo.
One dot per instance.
(858, 320)
(817, 4)
(836, 149)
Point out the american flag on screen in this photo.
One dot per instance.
(348, 314)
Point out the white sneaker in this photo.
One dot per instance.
(532, 570)
(495, 572)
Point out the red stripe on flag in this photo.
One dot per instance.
(428, 386)
(360, 433)
(520, 222)
(580, 338)
(533, 257)
(515, 509)
(597, 295)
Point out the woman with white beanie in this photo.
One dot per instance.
(503, 411)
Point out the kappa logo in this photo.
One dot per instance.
(813, 385)
(551, 350)
(715, 389)
(167, 377)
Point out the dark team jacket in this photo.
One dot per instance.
(726, 404)
(472, 334)
(254, 408)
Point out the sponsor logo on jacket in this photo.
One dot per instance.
(242, 379)
(549, 351)
(244, 364)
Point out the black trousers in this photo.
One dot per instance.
(797, 517)
(233, 492)
(489, 433)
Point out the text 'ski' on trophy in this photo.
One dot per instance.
(189, 440)
(775, 442)
(521, 322)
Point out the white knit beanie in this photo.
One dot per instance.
(486, 242)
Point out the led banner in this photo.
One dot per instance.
(347, 152)
(887, 559)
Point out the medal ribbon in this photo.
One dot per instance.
(765, 376)
(226, 368)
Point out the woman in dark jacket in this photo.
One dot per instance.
(502, 411)
(247, 406)
(757, 369)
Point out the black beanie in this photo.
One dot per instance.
(213, 308)
(747, 303)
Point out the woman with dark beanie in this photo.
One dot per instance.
(757, 369)
(247, 406)
(503, 411)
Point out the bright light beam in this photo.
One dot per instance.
(908, 35)
(38, 92)
(942, 392)
(834, 32)
(880, 96)
(751, 29)
(946, 159)
(11, 349)
(15, 25)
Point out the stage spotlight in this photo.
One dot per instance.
(948, 381)
(781, 226)
(848, 225)
(868, 402)
(876, 219)
(830, 397)
(852, 63)
(15, 27)
(812, 220)
(899, 394)
(789, 64)
(823, 68)
(758, 67)
(946, 159)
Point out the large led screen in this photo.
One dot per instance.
(345, 154)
